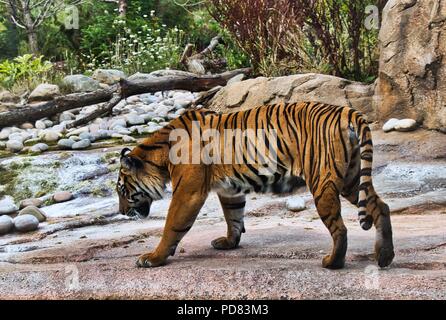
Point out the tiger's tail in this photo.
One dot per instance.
(365, 181)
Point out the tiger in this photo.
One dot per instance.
(326, 148)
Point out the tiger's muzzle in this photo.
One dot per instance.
(140, 210)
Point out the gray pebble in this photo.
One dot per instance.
(26, 223)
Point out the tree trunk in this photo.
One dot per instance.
(32, 40)
(30, 30)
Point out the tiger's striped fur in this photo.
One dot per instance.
(328, 148)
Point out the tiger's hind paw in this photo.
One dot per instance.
(333, 264)
(385, 256)
(224, 244)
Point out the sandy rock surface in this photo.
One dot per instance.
(86, 250)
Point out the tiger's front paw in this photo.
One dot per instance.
(149, 260)
(224, 243)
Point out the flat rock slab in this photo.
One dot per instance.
(278, 258)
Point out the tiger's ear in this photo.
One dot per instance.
(124, 152)
(130, 163)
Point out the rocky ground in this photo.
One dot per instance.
(86, 250)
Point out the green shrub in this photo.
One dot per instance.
(24, 71)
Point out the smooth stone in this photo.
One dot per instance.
(153, 129)
(4, 133)
(104, 134)
(295, 204)
(51, 136)
(78, 131)
(83, 144)
(87, 136)
(16, 136)
(180, 111)
(66, 116)
(81, 83)
(148, 98)
(172, 116)
(65, 143)
(122, 131)
(6, 224)
(133, 99)
(39, 147)
(34, 211)
(30, 202)
(40, 124)
(406, 125)
(44, 92)
(62, 196)
(14, 145)
(60, 128)
(108, 76)
(7, 206)
(128, 139)
(2, 145)
(182, 104)
(117, 123)
(27, 125)
(390, 125)
(134, 119)
(26, 223)
(48, 123)
(147, 117)
(162, 111)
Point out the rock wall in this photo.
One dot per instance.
(412, 78)
(296, 88)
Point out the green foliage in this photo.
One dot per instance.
(24, 70)
(141, 46)
(8, 39)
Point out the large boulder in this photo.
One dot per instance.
(44, 92)
(296, 88)
(108, 76)
(81, 83)
(412, 75)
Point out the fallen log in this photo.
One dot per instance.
(126, 88)
(60, 104)
(189, 83)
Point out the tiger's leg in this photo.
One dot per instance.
(233, 209)
(329, 208)
(188, 197)
(380, 213)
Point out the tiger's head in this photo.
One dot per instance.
(140, 182)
